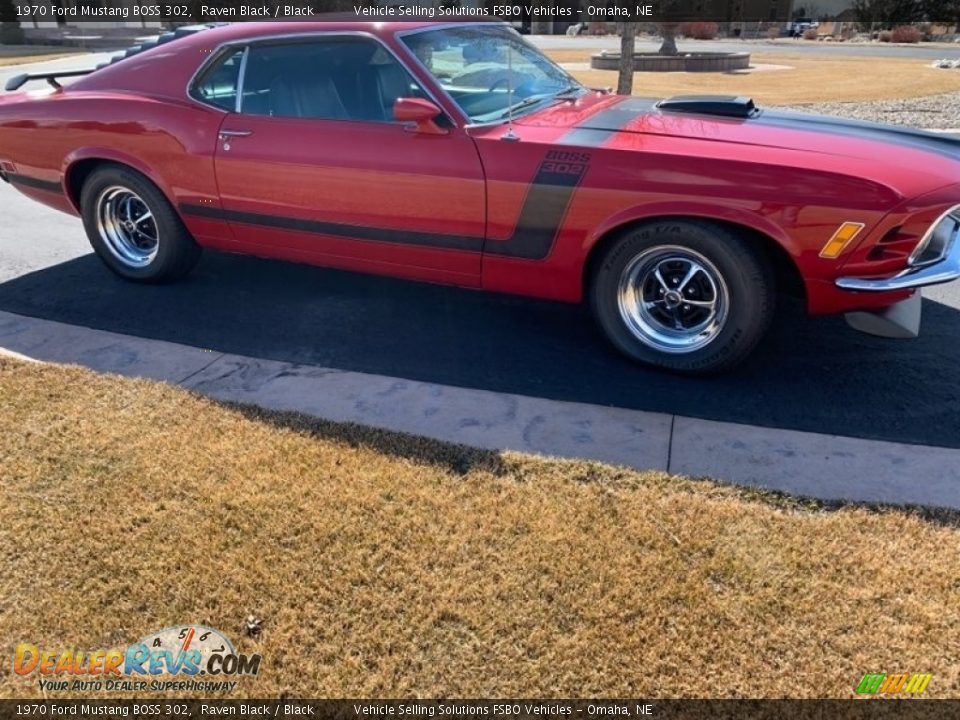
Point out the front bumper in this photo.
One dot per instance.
(944, 269)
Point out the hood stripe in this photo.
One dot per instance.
(599, 128)
(858, 129)
(595, 130)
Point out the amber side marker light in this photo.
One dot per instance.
(841, 238)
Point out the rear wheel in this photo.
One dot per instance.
(685, 295)
(133, 228)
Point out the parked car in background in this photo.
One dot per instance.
(801, 25)
(458, 153)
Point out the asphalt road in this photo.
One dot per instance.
(760, 46)
(76, 62)
(809, 374)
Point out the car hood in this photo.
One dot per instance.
(885, 152)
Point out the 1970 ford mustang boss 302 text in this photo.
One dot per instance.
(458, 153)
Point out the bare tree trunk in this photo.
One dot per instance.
(628, 38)
(11, 33)
(668, 31)
(10, 30)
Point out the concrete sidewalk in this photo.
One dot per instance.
(808, 464)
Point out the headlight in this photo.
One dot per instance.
(933, 246)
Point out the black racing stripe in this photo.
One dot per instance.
(895, 134)
(597, 129)
(540, 220)
(33, 182)
(541, 216)
(354, 232)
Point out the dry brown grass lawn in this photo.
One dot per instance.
(393, 566)
(809, 79)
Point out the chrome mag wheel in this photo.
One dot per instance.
(673, 299)
(127, 226)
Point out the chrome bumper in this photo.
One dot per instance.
(945, 269)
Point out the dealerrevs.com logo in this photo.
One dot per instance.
(186, 658)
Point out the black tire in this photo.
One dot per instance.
(733, 276)
(168, 256)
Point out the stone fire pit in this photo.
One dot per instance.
(684, 62)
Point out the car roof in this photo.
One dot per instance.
(165, 69)
(346, 22)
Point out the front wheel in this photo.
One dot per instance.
(684, 295)
(133, 227)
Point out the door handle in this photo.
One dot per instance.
(235, 133)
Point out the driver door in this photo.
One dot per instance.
(311, 166)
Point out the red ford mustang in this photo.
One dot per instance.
(457, 153)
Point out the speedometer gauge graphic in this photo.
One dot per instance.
(183, 639)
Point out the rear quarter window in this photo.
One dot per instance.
(217, 85)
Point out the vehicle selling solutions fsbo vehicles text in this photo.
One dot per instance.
(418, 11)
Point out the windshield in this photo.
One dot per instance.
(490, 70)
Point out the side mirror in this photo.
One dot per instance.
(422, 112)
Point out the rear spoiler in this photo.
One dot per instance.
(15, 83)
(18, 81)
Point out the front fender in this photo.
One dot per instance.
(649, 211)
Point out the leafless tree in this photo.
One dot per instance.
(10, 31)
(628, 42)
(668, 31)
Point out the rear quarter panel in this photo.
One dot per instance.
(134, 112)
(46, 135)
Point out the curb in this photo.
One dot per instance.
(826, 467)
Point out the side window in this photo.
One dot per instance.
(218, 85)
(330, 79)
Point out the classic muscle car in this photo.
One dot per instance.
(458, 153)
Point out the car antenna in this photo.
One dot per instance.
(510, 134)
